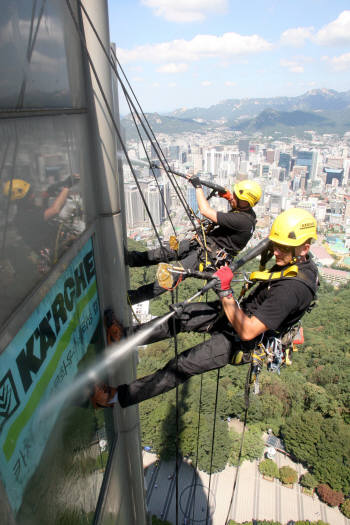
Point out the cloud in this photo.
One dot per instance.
(229, 83)
(228, 45)
(296, 37)
(335, 33)
(173, 68)
(186, 10)
(292, 66)
(340, 63)
(206, 83)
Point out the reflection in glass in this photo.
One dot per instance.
(42, 164)
(66, 485)
(37, 51)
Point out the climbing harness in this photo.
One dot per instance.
(277, 350)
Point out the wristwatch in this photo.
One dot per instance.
(226, 293)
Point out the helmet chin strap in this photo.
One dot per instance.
(297, 258)
(240, 207)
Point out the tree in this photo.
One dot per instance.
(345, 508)
(267, 467)
(253, 445)
(308, 481)
(329, 496)
(222, 445)
(288, 475)
(297, 436)
(317, 399)
(326, 449)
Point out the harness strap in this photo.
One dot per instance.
(291, 271)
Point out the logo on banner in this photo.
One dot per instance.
(9, 400)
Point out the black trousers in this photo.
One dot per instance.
(189, 253)
(214, 353)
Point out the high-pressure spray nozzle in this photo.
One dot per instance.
(177, 308)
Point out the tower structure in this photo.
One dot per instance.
(60, 120)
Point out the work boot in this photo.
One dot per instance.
(114, 329)
(104, 396)
(137, 259)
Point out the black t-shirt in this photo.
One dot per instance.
(280, 304)
(233, 230)
(32, 227)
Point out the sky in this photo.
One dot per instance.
(196, 53)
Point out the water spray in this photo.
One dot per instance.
(96, 372)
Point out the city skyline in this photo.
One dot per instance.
(189, 54)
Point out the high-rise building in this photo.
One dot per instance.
(134, 208)
(243, 146)
(191, 198)
(334, 174)
(197, 159)
(308, 159)
(270, 156)
(154, 154)
(346, 171)
(284, 162)
(275, 203)
(174, 152)
(154, 203)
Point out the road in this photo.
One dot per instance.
(254, 496)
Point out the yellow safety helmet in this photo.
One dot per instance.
(248, 190)
(19, 189)
(293, 227)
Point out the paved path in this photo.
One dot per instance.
(254, 496)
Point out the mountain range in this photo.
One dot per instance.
(322, 110)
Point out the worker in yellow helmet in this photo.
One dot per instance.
(244, 333)
(17, 189)
(229, 233)
(34, 217)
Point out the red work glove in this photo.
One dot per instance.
(224, 277)
(227, 195)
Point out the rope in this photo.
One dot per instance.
(149, 160)
(109, 110)
(197, 444)
(30, 49)
(8, 203)
(158, 150)
(149, 214)
(171, 178)
(212, 443)
(176, 425)
(138, 186)
(114, 68)
(132, 310)
(246, 402)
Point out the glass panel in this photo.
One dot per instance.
(37, 69)
(71, 470)
(43, 163)
(53, 445)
